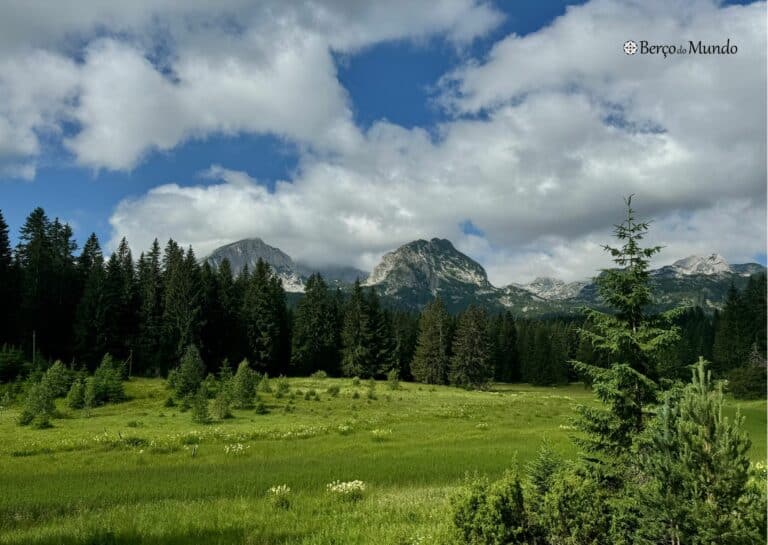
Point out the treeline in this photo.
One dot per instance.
(146, 311)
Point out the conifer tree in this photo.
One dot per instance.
(90, 344)
(504, 341)
(632, 339)
(149, 343)
(189, 373)
(355, 334)
(316, 330)
(9, 288)
(694, 484)
(199, 406)
(266, 319)
(182, 305)
(244, 386)
(471, 364)
(432, 358)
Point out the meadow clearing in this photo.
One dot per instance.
(141, 472)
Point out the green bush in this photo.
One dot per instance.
(199, 406)
(39, 405)
(106, 384)
(223, 402)
(59, 378)
(76, 395)
(747, 382)
(319, 375)
(189, 374)
(333, 391)
(393, 379)
(492, 513)
(244, 386)
(282, 385)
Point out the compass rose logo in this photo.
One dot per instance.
(630, 47)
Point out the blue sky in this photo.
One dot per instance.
(389, 113)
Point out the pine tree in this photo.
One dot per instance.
(432, 358)
(471, 364)
(506, 363)
(316, 330)
(182, 305)
(695, 472)
(199, 406)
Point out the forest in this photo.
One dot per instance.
(77, 306)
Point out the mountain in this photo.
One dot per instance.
(294, 275)
(413, 274)
(416, 272)
(554, 289)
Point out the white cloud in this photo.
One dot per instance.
(157, 73)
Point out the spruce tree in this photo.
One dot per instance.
(316, 330)
(189, 373)
(432, 357)
(9, 289)
(266, 319)
(199, 406)
(632, 339)
(471, 364)
(357, 357)
(244, 386)
(149, 341)
(89, 328)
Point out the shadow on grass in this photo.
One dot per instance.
(225, 537)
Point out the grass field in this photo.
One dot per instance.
(138, 472)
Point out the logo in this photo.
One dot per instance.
(644, 47)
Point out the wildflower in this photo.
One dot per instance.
(350, 490)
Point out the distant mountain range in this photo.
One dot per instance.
(417, 272)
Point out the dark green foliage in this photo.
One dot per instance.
(182, 304)
(199, 406)
(492, 513)
(59, 379)
(432, 357)
(244, 386)
(76, 395)
(316, 330)
(748, 382)
(393, 379)
(266, 319)
(632, 340)
(503, 334)
(12, 363)
(367, 348)
(106, 384)
(39, 405)
(189, 374)
(694, 485)
(741, 326)
(471, 364)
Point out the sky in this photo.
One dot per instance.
(338, 130)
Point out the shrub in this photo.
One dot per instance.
(355, 395)
(199, 406)
(265, 386)
(211, 385)
(261, 408)
(333, 391)
(106, 384)
(39, 405)
(189, 374)
(76, 395)
(170, 402)
(223, 402)
(319, 375)
(371, 389)
(282, 385)
(244, 386)
(393, 379)
(59, 379)
(492, 513)
(747, 382)
(355, 381)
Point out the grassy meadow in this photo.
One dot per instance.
(140, 472)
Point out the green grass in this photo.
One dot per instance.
(139, 472)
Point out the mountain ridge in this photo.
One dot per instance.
(414, 273)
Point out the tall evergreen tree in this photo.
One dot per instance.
(90, 345)
(432, 358)
(316, 330)
(506, 363)
(471, 364)
(149, 342)
(182, 305)
(9, 288)
(632, 339)
(266, 320)
(356, 357)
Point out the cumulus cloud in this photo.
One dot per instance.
(545, 134)
(135, 77)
